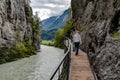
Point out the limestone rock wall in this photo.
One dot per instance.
(15, 25)
(97, 20)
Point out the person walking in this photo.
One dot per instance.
(77, 41)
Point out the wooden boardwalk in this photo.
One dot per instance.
(80, 67)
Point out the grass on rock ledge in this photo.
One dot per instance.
(116, 35)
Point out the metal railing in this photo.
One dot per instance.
(63, 69)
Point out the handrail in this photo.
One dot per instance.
(65, 63)
(63, 67)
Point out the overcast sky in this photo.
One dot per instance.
(48, 8)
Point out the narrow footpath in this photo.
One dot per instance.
(80, 67)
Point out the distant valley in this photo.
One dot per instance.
(52, 24)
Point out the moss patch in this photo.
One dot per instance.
(116, 35)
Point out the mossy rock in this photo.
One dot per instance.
(115, 35)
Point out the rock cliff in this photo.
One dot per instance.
(99, 24)
(16, 23)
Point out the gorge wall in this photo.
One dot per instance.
(99, 24)
(16, 23)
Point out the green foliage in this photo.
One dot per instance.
(61, 33)
(116, 35)
(25, 48)
(20, 50)
(59, 38)
(18, 36)
(50, 36)
(35, 28)
(30, 48)
(3, 54)
(48, 43)
(33, 20)
(67, 28)
(35, 25)
(28, 11)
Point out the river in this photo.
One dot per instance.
(36, 67)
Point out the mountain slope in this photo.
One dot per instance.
(48, 22)
(52, 24)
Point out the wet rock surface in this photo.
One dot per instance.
(97, 20)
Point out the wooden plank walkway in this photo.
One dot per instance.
(80, 67)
